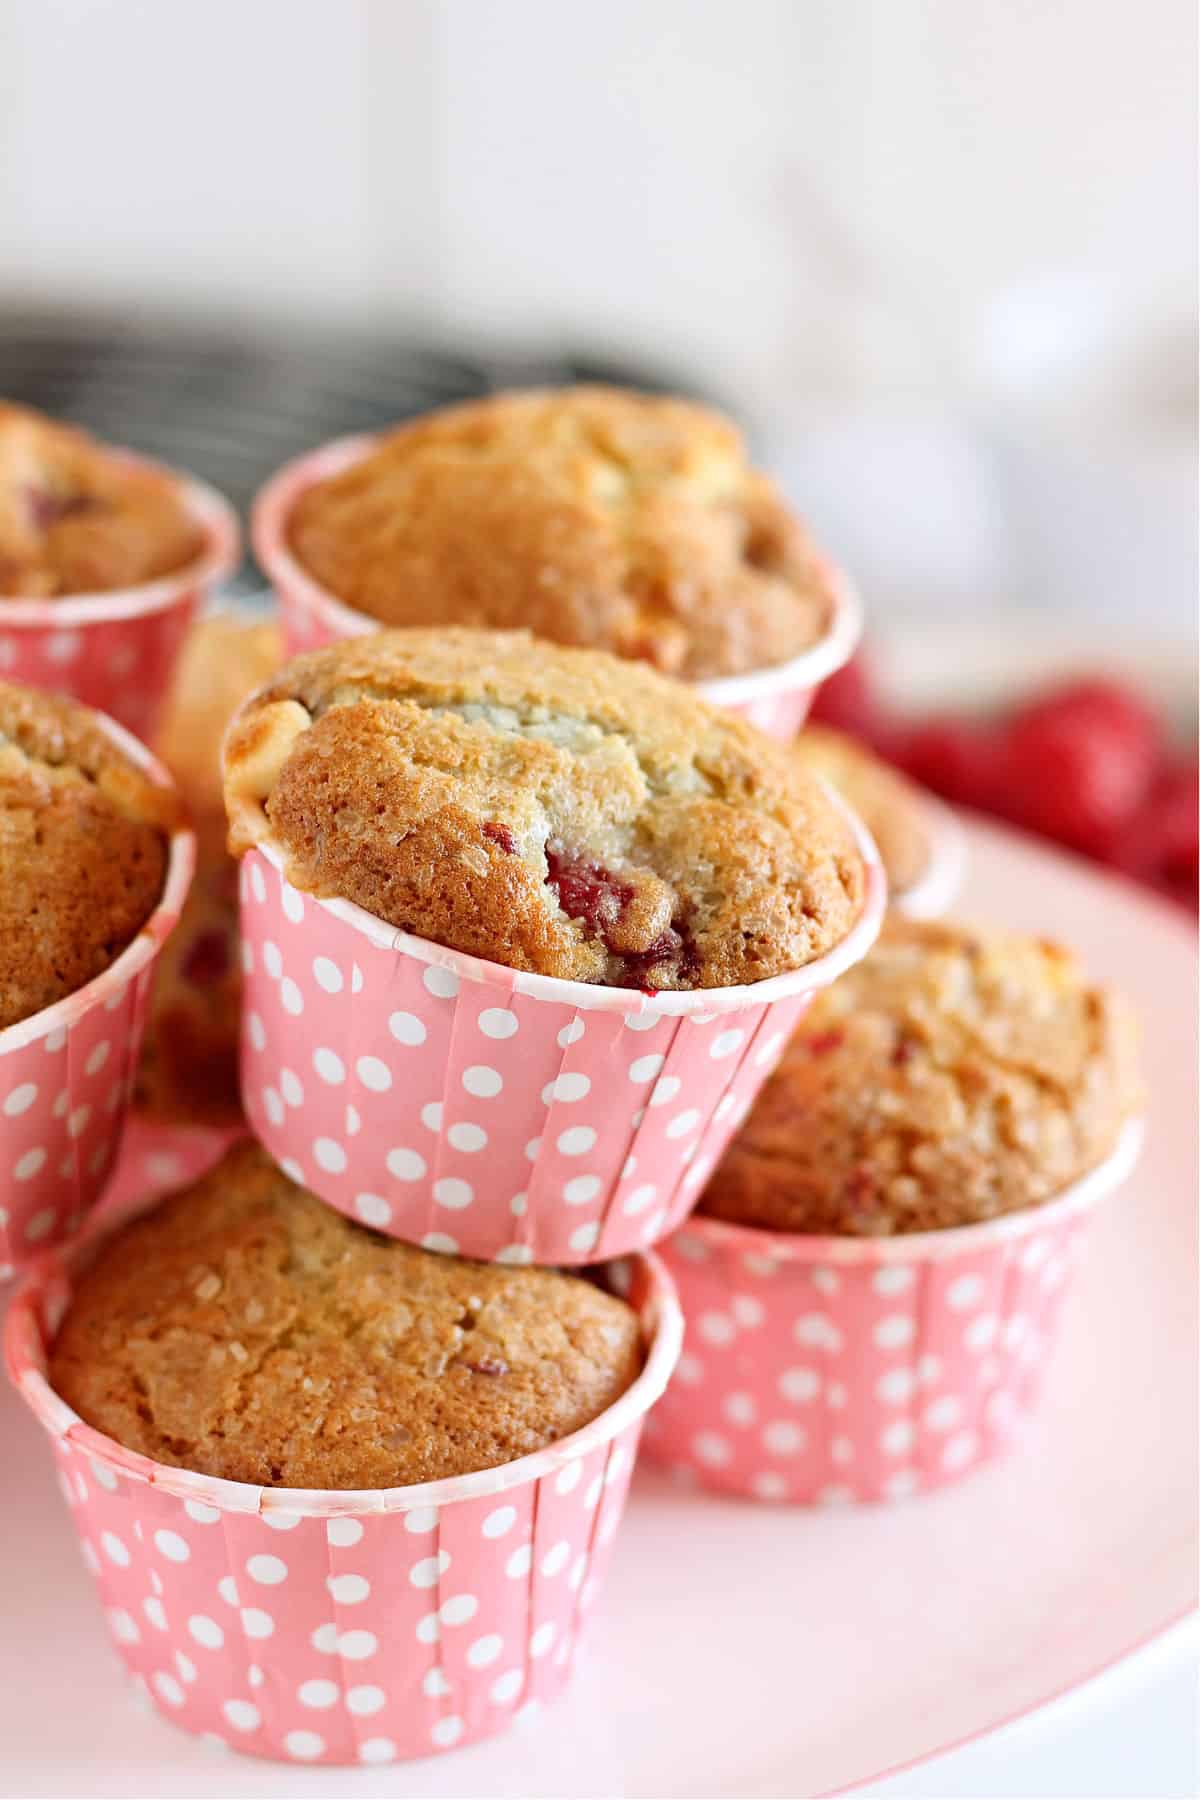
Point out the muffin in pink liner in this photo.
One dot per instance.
(607, 901)
(778, 700)
(117, 650)
(345, 1626)
(475, 1109)
(873, 1278)
(66, 1072)
(775, 699)
(829, 1369)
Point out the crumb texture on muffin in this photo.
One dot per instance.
(593, 516)
(245, 1330)
(551, 809)
(952, 1076)
(76, 518)
(889, 806)
(83, 849)
(188, 1071)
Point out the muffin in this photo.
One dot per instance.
(245, 1330)
(890, 807)
(954, 1075)
(83, 849)
(79, 518)
(189, 1066)
(550, 809)
(594, 517)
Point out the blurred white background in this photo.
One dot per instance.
(942, 253)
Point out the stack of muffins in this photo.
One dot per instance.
(545, 957)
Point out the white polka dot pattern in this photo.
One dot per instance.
(335, 1637)
(63, 1101)
(466, 1093)
(120, 666)
(808, 1377)
(155, 1158)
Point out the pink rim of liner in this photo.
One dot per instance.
(48, 1280)
(938, 886)
(668, 1002)
(932, 1246)
(296, 586)
(216, 561)
(181, 864)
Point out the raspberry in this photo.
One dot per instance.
(955, 758)
(586, 891)
(1079, 764)
(848, 700)
(207, 960)
(500, 834)
(1103, 706)
(46, 508)
(1160, 845)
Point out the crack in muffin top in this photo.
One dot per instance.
(244, 1329)
(77, 518)
(83, 849)
(551, 809)
(953, 1075)
(593, 516)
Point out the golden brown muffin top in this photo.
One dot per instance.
(890, 807)
(954, 1075)
(245, 1330)
(83, 849)
(554, 810)
(76, 518)
(591, 515)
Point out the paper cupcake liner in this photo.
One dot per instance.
(467, 1107)
(66, 1074)
(156, 1157)
(343, 1627)
(938, 887)
(827, 1369)
(777, 700)
(117, 651)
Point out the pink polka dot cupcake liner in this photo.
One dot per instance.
(346, 1627)
(117, 651)
(155, 1158)
(939, 886)
(483, 1112)
(826, 1369)
(776, 700)
(67, 1072)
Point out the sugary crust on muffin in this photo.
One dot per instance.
(954, 1075)
(552, 809)
(75, 518)
(890, 807)
(246, 1330)
(83, 850)
(591, 515)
